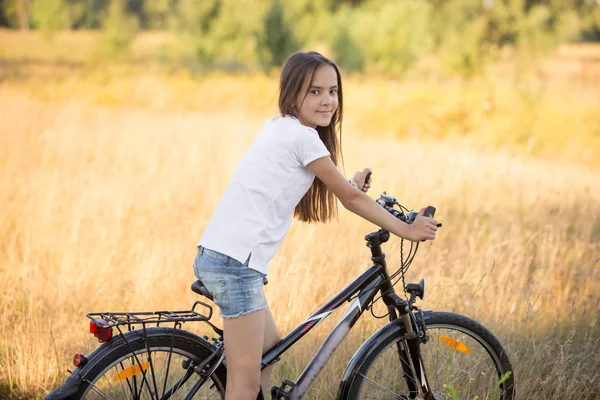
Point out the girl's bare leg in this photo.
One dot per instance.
(272, 337)
(244, 341)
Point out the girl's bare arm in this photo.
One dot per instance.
(423, 228)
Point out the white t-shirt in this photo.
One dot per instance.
(255, 213)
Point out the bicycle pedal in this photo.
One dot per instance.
(282, 392)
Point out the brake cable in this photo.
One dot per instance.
(388, 203)
(401, 271)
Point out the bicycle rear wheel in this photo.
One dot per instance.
(462, 359)
(158, 367)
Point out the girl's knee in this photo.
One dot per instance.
(243, 389)
(244, 375)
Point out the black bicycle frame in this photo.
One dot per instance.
(360, 293)
(365, 287)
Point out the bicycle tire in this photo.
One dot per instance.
(477, 338)
(116, 356)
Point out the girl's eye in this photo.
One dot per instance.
(333, 91)
(315, 91)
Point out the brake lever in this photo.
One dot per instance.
(410, 218)
(387, 200)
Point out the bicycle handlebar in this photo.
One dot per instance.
(388, 202)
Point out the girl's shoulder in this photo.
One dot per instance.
(290, 124)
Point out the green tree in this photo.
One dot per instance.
(156, 13)
(589, 14)
(120, 28)
(463, 50)
(91, 14)
(50, 16)
(9, 13)
(312, 20)
(394, 35)
(335, 4)
(277, 39)
(194, 21)
(346, 51)
(221, 33)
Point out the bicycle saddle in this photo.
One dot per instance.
(199, 288)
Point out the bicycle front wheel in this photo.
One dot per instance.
(462, 360)
(158, 365)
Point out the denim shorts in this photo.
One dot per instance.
(236, 288)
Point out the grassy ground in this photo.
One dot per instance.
(108, 175)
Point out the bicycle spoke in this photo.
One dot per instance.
(121, 382)
(136, 395)
(456, 365)
(477, 372)
(188, 373)
(100, 392)
(146, 379)
(131, 381)
(388, 375)
(152, 374)
(407, 364)
(109, 384)
(380, 373)
(383, 388)
(435, 361)
(463, 373)
(167, 366)
(158, 364)
(210, 387)
(124, 380)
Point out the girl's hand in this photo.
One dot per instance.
(359, 178)
(423, 228)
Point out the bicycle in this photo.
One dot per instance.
(419, 354)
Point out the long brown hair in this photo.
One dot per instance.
(318, 204)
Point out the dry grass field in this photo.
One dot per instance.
(107, 182)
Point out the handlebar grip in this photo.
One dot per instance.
(366, 179)
(430, 211)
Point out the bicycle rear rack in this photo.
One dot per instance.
(131, 320)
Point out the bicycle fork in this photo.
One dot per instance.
(415, 361)
(409, 352)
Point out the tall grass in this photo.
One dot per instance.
(101, 210)
(102, 203)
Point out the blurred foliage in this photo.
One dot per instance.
(277, 38)
(382, 36)
(50, 16)
(394, 34)
(344, 43)
(119, 28)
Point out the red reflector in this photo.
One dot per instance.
(100, 329)
(79, 360)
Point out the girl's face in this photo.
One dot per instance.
(318, 100)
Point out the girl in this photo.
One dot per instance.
(274, 181)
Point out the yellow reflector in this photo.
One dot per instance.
(131, 371)
(455, 344)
